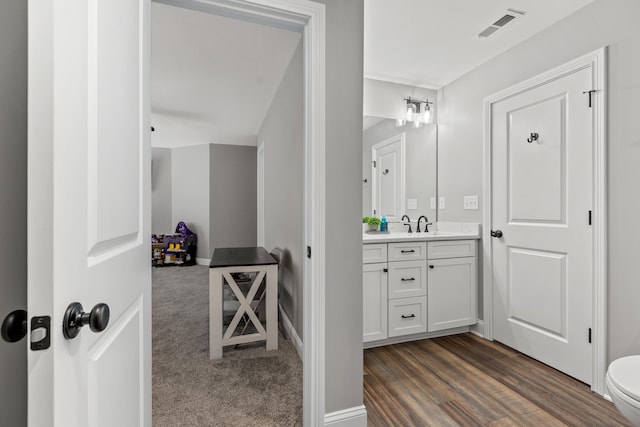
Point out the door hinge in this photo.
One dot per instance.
(309, 252)
(590, 92)
(374, 163)
(589, 335)
(589, 217)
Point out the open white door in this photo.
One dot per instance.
(89, 211)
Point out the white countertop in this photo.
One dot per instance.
(442, 231)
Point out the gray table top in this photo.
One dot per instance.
(233, 257)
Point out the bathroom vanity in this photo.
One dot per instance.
(419, 285)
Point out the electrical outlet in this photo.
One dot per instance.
(441, 203)
(433, 203)
(412, 204)
(470, 202)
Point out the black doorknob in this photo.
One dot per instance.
(14, 326)
(497, 233)
(75, 318)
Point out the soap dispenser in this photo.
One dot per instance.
(384, 227)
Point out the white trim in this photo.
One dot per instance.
(260, 194)
(478, 329)
(596, 61)
(291, 332)
(401, 138)
(307, 17)
(414, 337)
(350, 417)
(203, 261)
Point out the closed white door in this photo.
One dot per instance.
(89, 213)
(542, 197)
(388, 178)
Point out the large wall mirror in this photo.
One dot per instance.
(405, 177)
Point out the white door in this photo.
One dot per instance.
(542, 196)
(89, 210)
(388, 178)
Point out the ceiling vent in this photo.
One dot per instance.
(508, 17)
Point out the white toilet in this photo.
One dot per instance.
(623, 383)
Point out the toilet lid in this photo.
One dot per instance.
(624, 373)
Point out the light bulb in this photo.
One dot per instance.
(411, 110)
(400, 122)
(417, 124)
(426, 116)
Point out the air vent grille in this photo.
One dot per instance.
(504, 20)
(500, 23)
(488, 31)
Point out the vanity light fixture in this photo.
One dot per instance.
(417, 112)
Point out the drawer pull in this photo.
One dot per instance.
(411, 316)
(407, 251)
(431, 266)
(411, 279)
(386, 270)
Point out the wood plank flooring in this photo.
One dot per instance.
(463, 380)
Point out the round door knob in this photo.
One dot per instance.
(497, 233)
(75, 318)
(14, 326)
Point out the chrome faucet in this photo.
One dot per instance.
(407, 223)
(426, 224)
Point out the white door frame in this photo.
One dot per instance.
(308, 18)
(402, 137)
(596, 61)
(260, 193)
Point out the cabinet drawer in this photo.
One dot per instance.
(407, 251)
(407, 316)
(374, 253)
(407, 279)
(452, 249)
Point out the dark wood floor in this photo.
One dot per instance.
(463, 380)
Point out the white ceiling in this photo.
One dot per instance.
(430, 43)
(213, 78)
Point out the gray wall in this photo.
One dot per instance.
(13, 209)
(161, 221)
(283, 135)
(610, 23)
(343, 352)
(420, 167)
(190, 192)
(232, 202)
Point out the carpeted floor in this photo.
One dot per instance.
(247, 387)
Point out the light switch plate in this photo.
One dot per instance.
(433, 203)
(412, 204)
(441, 203)
(471, 203)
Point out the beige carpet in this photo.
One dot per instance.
(247, 387)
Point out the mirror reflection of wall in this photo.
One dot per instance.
(420, 166)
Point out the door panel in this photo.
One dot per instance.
(542, 193)
(537, 184)
(538, 290)
(89, 209)
(388, 178)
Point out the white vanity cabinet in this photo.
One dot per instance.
(452, 284)
(418, 289)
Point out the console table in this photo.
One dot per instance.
(224, 263)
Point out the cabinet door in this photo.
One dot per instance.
(451, 293)
(407, 279)
(374, 297)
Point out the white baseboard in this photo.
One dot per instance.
(291, 332)
(350, 417)
(203, 261)
(414, 337)
(478, 329)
